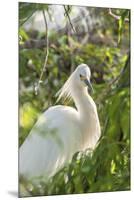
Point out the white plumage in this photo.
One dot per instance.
(61, 131)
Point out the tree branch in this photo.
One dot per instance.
(69, 19)
(23, 22)
(117, 17)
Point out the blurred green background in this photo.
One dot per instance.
(78, 35)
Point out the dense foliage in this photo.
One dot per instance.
(105, 48)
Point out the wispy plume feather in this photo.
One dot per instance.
(65, 93)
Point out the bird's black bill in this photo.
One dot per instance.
(90, 88)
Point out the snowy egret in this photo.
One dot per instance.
(61, 130)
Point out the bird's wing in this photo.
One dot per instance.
(51, 143)
(41, 152)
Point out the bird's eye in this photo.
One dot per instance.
(82, 77)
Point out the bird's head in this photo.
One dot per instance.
(82, 75)
(79, 80)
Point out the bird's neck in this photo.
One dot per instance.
(84, 103)
(88, 118)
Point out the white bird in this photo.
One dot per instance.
(61, 130)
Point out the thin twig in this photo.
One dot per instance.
(47, 46)
(117, 17)
(69, 19)
(47, 53)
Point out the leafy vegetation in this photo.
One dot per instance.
(105, 48)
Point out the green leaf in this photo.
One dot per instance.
(26, 10)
